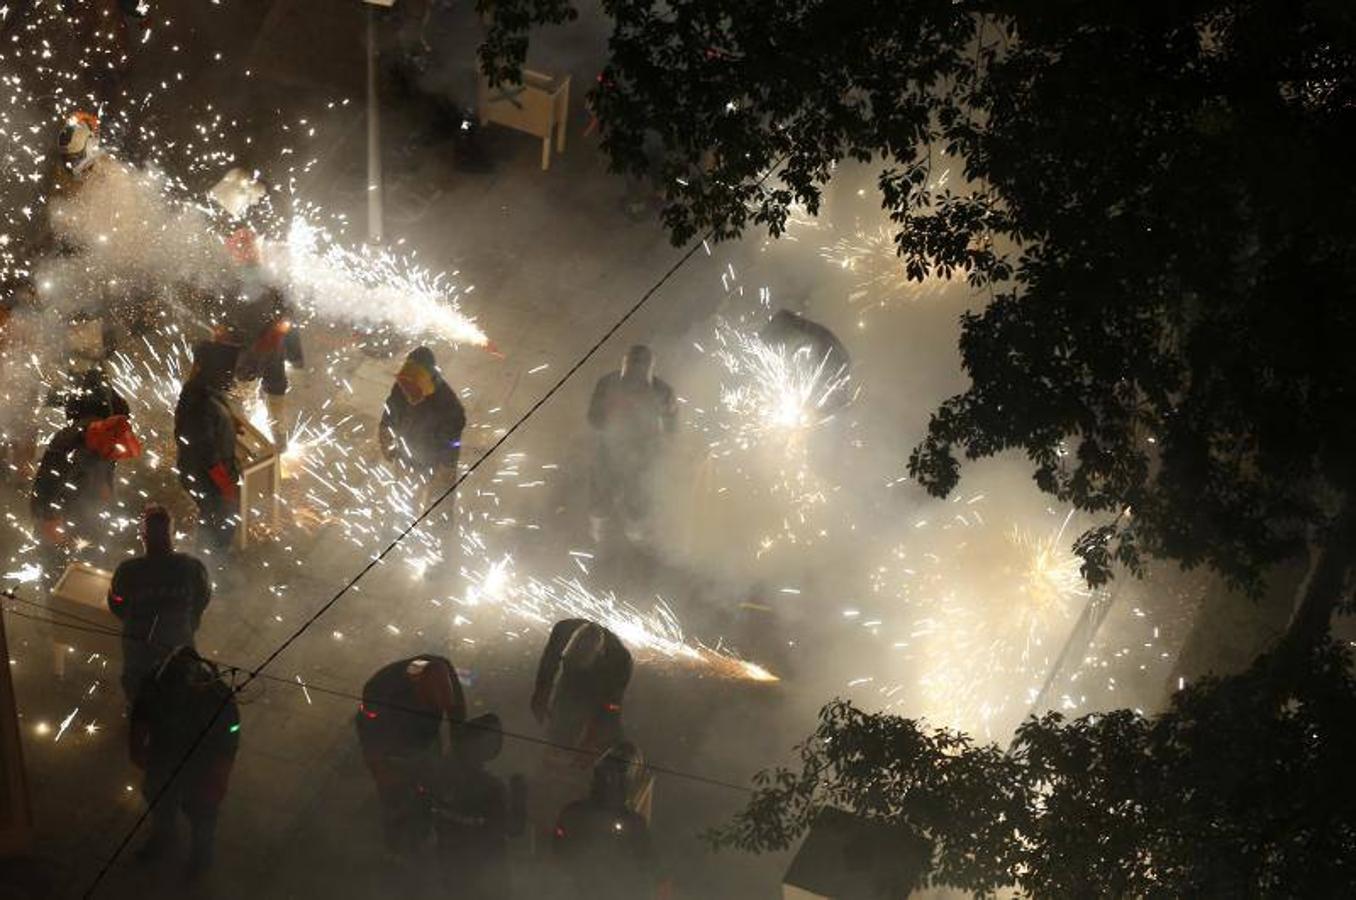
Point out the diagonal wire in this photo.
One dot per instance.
(89, 626)
(251, 675)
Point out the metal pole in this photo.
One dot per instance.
(374, 224)
(16, 816)
(1080, 638)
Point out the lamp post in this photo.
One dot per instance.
(374, 208)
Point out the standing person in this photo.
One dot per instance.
(160, 598)
(78, 152)
(399, 724)
(477, 815)
(74, 485)
(204, 435)
(603, 846)
(581, 678)
(632, 412)
(184, 713)
(263, 323)
(79, 161)
(421, 424)
(270, 342)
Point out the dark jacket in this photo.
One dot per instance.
(204, 434)
(160, 599)
(424, 435)
(168, 716)
(632, 414)
(269, 342)
(604, 685)
(473, 824)
(400, 715)
(73, 482)
(605, 851)
(794, 332)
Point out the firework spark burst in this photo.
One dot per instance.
(776, 389)
(371, 287)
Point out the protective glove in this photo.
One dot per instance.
(224, 481)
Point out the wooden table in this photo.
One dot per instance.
(538, 106)
(80, 598)
(260, 477)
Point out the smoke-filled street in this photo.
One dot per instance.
(385, 508)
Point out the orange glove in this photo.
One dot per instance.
(224, 482)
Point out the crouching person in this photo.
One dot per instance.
(399, 724)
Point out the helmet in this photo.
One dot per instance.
(78, 142)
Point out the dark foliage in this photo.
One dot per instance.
(1158, 204)
(1242, 788)
(1157, 200)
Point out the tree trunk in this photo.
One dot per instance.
(1322, 591)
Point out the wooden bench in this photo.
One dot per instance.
(260, 477)
(81, 594)
(538, 106)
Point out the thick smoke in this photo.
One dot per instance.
(818, 556)
(123, 233)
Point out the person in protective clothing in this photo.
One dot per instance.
(91, 329)
(79, 159)
(422, 423)
(476, 814)
(581, 679)
(798, 334)
(160, 598)
(78, 150)
(270, 342)
(184, 713)
(602, 846)
(632, 412)
(262, 324)
(74, 484)
(399, 725)
(205, 431)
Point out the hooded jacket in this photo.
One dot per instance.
(184, 712)
(204, 426)
(602, 682)
(426, 434)
(403, 713)
(75, 477)
(93, 397)
(268, 340)
(632, 414)
(794, 331)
